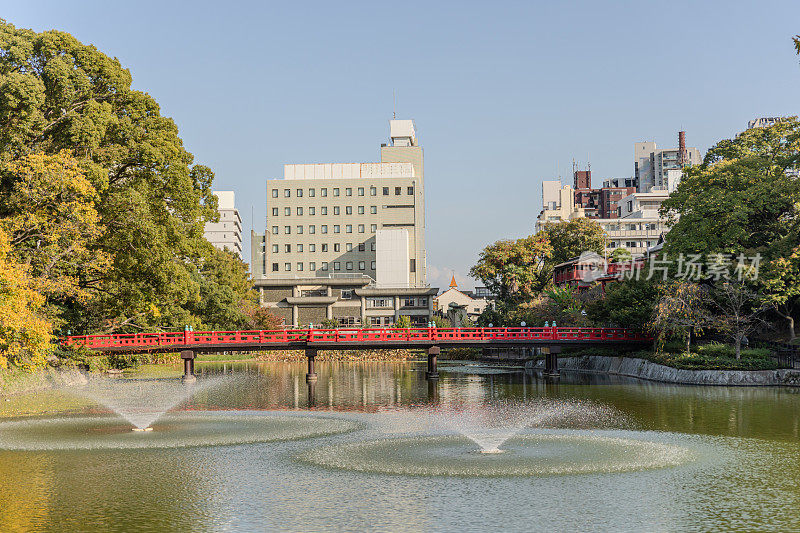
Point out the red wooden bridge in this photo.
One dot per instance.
(551, 339)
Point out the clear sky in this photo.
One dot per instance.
(504, 94)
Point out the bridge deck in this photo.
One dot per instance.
(351, 339)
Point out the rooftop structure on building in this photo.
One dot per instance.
(346, 241)
(227, 233)
(763, 122)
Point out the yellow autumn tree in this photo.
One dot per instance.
(25, 332)
(53, 225)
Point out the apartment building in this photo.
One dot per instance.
(346, 241)
(636, 228)
(227, 233)
(661, 169)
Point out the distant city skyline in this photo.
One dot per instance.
(504, 96)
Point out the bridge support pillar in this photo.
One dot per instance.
(311, 375)
(551, 360)
(188, 366)
(433, 370)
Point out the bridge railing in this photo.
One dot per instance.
(347, 336)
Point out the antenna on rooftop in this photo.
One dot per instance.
(394, 104)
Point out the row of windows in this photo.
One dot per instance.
(312, 266)
(631, 244)
(348, 210)
(287, 248)
(323, 192)
(312, 229)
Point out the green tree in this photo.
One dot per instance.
(403, 321)
(570, 239)
(628, 303)
(738, 311)
(681, 309)
(152, 200)
(515, 269)
(621, 255)
(740, 198)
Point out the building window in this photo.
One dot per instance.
(312, 265)
(299, 267)
(348, 191)
(323, 192)
(299, 211)
(413, 266)
(372, 247)
(324, 228)
(373, 191)
(311, 193)
(274, 193)
(398, 191)
(423, 302)
(287, 211)
(361, 228)
(312, 248)
(336, 191)
(337, 265)
(348, 210)
(324, 266)
(274, 230)
(373, 228)
(337, 247)
(311, 210)
(274, 211)
(287, 230)
(324, 247)
(373, 209)
(349, 228)
(349, 265)
(372, 265)
(312, 229)
(408, 302)
(411, 191)
(300, 248)
(274, 248)
(361, 191)
(361, 210)
(361, 247)
(336, 210)
(337, 228)
(274, 267)
(287, 267)
(386, 191)
(287, 248)
(349, 246)
(299, 230)
(361, 265)
(323, 210)
(299, 193)
(287, 193)
(347, 294)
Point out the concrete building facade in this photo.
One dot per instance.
(227, 233)
(346, 241)
(661, 169)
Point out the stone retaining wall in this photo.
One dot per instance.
(643, 369)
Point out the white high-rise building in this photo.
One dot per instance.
(227, 233)
(660, 169)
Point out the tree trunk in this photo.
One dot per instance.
(738, 342)
(689, 341)
(792, 336)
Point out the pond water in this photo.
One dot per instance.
(375, 447)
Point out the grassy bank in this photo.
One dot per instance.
(705, 357)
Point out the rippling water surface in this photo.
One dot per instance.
(374, 446)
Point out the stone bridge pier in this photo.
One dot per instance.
(433, 370)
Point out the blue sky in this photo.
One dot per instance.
(504, 94)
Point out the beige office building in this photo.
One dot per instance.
(346, 241)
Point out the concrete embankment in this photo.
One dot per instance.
(19, 382)
(643, 369)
